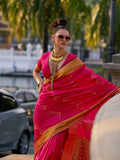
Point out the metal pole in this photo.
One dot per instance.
(111, 50)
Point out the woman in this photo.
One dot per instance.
(70, 97)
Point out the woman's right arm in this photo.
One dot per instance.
(37, 77)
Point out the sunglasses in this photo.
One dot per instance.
(61, 37)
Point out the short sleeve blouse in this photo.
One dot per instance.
(43, 63)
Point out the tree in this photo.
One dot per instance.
(42, 14)
(99, 25)
(16, 13)
(88, 18)
(117, 27)
(32, 16)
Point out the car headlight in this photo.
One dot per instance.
(28, 112)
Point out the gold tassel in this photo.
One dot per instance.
(55, 66)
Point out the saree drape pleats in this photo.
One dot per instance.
(65, 115)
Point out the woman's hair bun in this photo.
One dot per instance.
(59, 22)
(62, 22)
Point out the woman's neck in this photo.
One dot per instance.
(58, 51)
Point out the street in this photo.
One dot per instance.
(31, 147)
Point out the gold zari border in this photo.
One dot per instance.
(50, 132)
(66, 70)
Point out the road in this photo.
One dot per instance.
(31, 147)
(30, 151)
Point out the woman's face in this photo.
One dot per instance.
(61, 38)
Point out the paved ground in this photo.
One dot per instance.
(18, 157)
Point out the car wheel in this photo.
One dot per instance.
(23, 144)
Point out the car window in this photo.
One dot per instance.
(20, 96)
(7, 103)
(29, 97)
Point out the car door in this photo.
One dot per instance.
(29, 106)
(9, 120)
(27, 101)
(30, 100)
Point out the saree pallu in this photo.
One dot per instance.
(63, 117)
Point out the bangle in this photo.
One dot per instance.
(38, 83)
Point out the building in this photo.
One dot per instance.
(5, 40)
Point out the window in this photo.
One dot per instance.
(7, 103)
(20, 96)
(1, 103)
(29, 97)
(3, 40)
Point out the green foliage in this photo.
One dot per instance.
(97, 69)
(85, 17)
(43, 13)
(16, 12)
(4, 8)
(99, 24)
(99, 27)
(76, 7)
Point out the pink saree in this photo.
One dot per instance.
(63, 117)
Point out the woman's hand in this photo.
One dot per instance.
(37, 78)
(40, 88)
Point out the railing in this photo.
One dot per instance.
(12, 52)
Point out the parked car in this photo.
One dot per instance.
(14, 125)
(27, 99)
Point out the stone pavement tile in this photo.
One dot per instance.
(18, 157)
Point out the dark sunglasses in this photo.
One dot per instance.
(61, 37)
